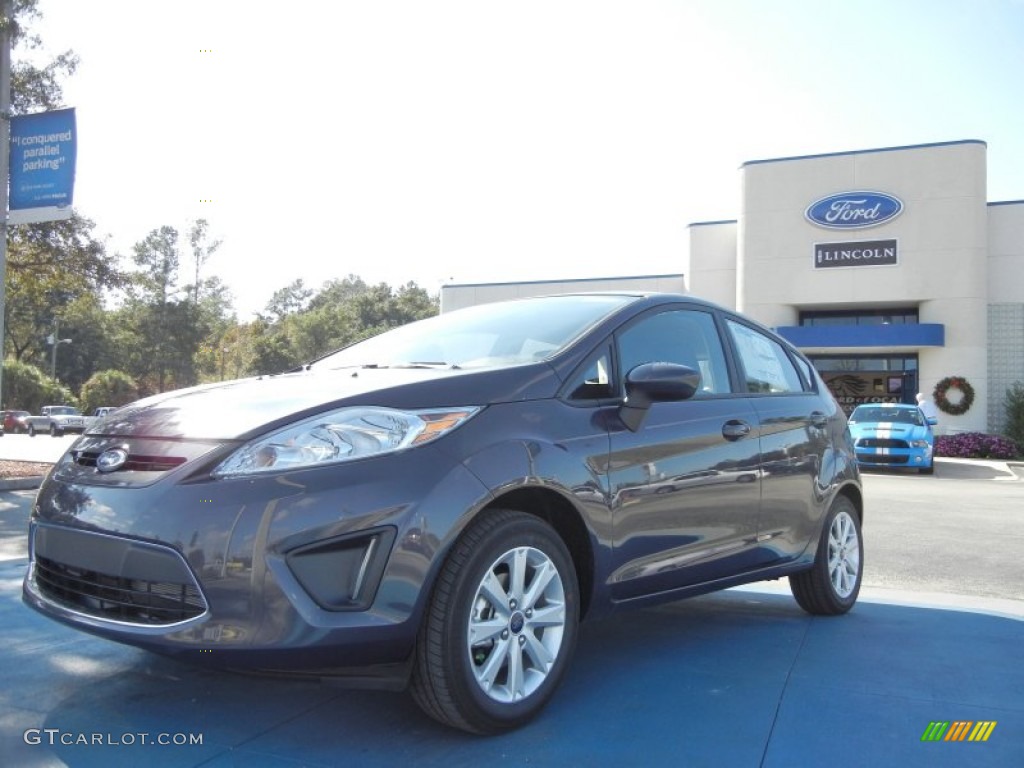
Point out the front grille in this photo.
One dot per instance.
(881, 442)
(106, 596)
(881, 458)
(115, 579)
(137, 462)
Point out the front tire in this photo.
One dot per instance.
(31, 430)
(500, 627)
(832, 584)
(54, 432)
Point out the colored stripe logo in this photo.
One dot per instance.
(958, 730)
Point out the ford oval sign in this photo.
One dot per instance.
(111, 460)
(854, 210)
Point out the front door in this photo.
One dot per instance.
(686, 486)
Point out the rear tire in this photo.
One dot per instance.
(832, 584)
(501, 625)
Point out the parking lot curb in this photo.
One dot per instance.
(21, 483)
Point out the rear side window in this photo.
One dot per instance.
(766, 366)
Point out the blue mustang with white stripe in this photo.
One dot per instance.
(893, 435)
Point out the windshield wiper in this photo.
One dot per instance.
(425, 364)
(382, 366)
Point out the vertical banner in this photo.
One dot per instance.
(43, 148)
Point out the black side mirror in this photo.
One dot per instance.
(655, 383)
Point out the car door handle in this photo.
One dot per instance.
(735, 429)
(819, 419)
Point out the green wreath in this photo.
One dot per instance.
(954, 382)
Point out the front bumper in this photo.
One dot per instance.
(321, 571)
(894, 457)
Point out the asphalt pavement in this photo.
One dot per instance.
(738, 678)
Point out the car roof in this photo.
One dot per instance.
(865, 407)
(655, 297)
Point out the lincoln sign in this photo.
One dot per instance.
(858, 254)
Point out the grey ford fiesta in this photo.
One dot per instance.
(440, 506)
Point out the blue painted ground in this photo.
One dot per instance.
(741, 678)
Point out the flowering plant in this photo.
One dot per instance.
(943, 402)
(975, 445)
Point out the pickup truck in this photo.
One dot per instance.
(57, 420)
(98, 414)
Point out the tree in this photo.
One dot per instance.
(341, 313)
(52, 265)
(202, 250)
(35, 88)
(288, 300)
(272, 352)
(166, 319)
(337, 293)
(93, 341)
(157, 254)
(177, 329)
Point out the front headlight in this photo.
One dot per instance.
(341, 435)
(919, 444)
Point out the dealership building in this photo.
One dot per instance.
(888, 267)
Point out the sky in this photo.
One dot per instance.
(467, 141)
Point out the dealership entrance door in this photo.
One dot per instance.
(857, 379)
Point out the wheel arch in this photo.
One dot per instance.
(856, 497)
(560, 513)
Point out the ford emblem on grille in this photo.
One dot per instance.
(111, 459)
(854, 210)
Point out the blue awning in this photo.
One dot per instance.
(913, 335)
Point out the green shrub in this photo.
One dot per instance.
(1015, 413)
(110, 387)
(25, 387)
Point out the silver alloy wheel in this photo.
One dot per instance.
(843, 554)
(516, 624)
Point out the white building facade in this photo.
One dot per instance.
(889, 268)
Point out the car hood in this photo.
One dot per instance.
(246, 407)
(888, 429)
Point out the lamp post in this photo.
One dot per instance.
(55, 342)
(6, 7)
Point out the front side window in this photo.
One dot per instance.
(766, 366)
(685, 337)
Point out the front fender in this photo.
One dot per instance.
(562, 480)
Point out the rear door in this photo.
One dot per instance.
(794, 420)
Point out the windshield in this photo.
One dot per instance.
(887, 415)
(64, 410)
(503, 333)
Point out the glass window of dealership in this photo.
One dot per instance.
(888, 267)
